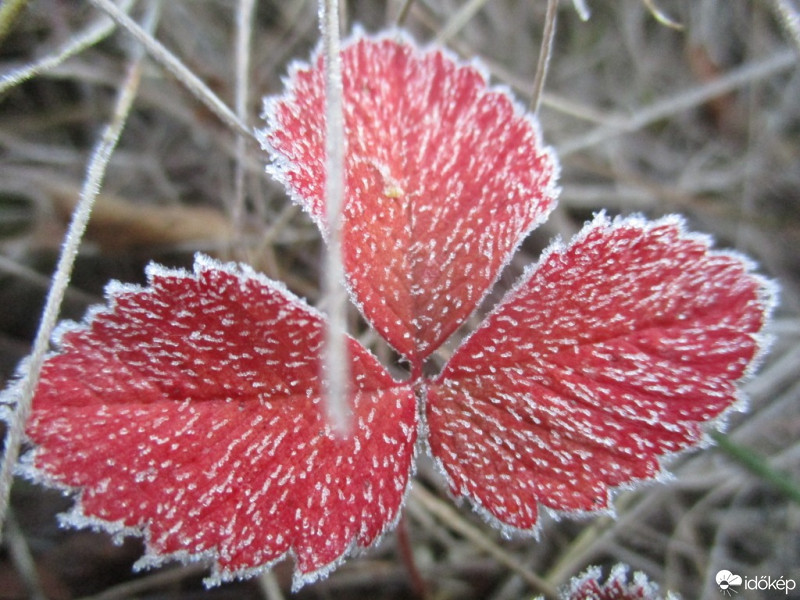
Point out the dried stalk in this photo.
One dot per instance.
(336, 361)
(244, 31)
(90, 36)
(170, 62)
(459, 20)
(453, 520)
(545, 52)
(685, 100)
(94, 177)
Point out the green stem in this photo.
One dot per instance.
(758, 466)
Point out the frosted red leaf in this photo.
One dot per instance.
(589, 585)
(444, 177)
(609, 354)
(190, 411)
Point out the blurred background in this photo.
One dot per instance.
(655, 107)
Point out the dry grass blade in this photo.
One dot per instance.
(23, 559)
(94, 177)
(270, 586)
(661, 16)
(582, 9)
(546, 50)
(8, 266)
(685, 100)
(453, 520)
(120, 225)
(457, 22)
(403, 12)
(170, 62)
(91, 36)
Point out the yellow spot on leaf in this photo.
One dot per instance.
(393, 191)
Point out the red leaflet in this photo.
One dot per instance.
(608, 355)
(190, 410)
(588, 586)
(444, 177)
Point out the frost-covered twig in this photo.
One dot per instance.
(94, 177)
(790, 18)
(90, 36)
(545, 52)
(684, 100)
(335, 296)
(244, 29)
(170, 62)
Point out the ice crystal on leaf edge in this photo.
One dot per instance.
(764, 291)
(618, 586)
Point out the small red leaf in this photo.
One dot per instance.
(190, 411)
(444, 177)
(608, 355)
(618, 586)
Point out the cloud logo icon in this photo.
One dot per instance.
(727, 581)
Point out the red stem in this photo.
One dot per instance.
(418, 584)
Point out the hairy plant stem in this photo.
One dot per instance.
(244, 29)
(336, 359)
(95, 173)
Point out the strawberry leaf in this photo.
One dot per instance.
(619, 586)
(444, 177)
(608, 355)
(190, 411)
